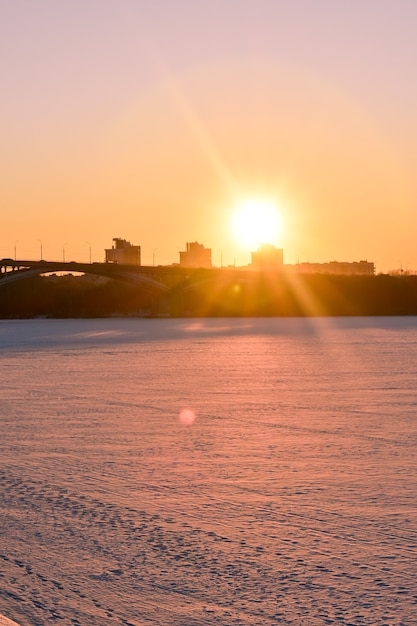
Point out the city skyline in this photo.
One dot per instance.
(265, 258)
(157, 121)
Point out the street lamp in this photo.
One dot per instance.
(63, 251)
(89, 247)
(41, 249)
(153, 256)
(16, 242)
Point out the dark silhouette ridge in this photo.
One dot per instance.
(265, 294)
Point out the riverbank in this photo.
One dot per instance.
(250, 295)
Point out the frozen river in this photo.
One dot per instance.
(208, 472)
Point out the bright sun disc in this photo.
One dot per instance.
(256, 222)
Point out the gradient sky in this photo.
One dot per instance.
(150, 120)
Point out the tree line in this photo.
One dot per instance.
(265, 294)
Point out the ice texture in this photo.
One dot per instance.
(288, 498)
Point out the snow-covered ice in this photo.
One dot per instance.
(208, 472)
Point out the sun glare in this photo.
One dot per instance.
(256, 222)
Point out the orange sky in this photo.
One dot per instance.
(151, 123)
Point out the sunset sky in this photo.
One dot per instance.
(153, 120)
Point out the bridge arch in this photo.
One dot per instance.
(12, 271)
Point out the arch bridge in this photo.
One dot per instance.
(162, 279)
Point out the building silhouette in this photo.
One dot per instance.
(267, 257)
(340, 268)
(123, 252)
(196, 255)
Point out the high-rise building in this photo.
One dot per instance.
(267, 258)
(196, 255)
(123, 252)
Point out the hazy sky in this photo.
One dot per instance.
(150, 120)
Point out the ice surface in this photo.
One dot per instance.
(4, 621)
(289, 498)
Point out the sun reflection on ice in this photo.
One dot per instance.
(187, 417)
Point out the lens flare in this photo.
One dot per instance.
(187, 417)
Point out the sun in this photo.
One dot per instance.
(255, 222)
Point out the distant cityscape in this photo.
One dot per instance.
(266, 258)
(120, 285)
